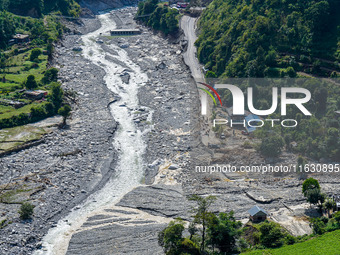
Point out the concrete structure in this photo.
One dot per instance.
(125, 32)
(257, 214)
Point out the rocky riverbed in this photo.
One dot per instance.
(71, 164)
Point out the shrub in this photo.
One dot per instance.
(318, 226)
(272, 146)
(271, 235)
(291, 72)
(35, 53)
(336, 216)
(31, 82)
(26, 211)
(51, 75)
(65, 112)
(290, 239)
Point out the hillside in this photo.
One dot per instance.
(254, 38)
(30, 29)
(326, 244)
(36, 8)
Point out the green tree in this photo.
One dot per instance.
(50, 75)
(272, 146)
(318, 226)
(56, 95)
(30, 82)
(202, 213)
(329, 205)
(26, 211)
(65, 112)
(291, 72)
(321, 95)
(172, 21)
(310, 184)
(38, 113)
(171, 238)
(210, 74)
(223, 231)
(271, 235)
(336, 217)
(50, 47)
(35, 53)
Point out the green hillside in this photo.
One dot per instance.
(328, 243)
(256, 38)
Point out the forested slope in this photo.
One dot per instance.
(256, 38)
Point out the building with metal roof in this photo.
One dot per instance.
(257, 214)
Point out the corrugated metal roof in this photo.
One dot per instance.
(255, 209)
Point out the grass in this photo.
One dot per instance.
(9, 111)
(15, 75)
(13, 137)
(328, 243)
(11, 196)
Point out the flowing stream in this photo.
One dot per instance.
(128, 140)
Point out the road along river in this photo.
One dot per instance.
(128, 141)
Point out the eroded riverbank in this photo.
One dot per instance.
(87, 146)
(71, 163)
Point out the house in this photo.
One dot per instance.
(182, 5)
(35, 94)
(19, 38)
(257, 214)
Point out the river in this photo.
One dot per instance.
(128, 140)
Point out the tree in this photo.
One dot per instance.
(171, 238)
(309, 184)
(223, 231)
(271, 235)
(202, 213)
(272, 146)
(318, 226)
(35, 53)
(65, 112)
(38, 113)
(56, 95)
(291, 72)
(30, 82)
(50, 75)
(315, 197)
(210, 74)
(329, 205)
(172, 21)
(321, 95)
(336, 216)
(26, 211)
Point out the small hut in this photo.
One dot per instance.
(257, 214)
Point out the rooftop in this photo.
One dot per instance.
(255, 209)
(126, 30)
